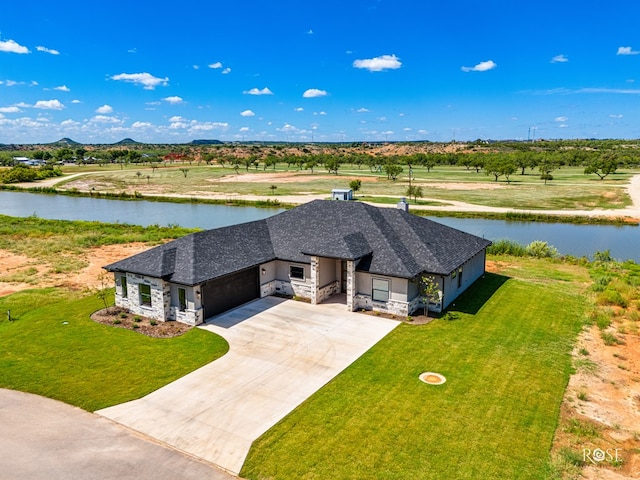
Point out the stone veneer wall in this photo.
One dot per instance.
(159, 297)
(328, 291)
(283, 287)
(394, 307)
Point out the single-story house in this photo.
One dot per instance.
(373, 257)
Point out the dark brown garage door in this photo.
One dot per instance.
(230, 291)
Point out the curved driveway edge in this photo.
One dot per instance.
(281, 352)
(47, 439)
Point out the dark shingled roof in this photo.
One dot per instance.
(386, 241)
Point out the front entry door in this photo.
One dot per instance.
(343, 277)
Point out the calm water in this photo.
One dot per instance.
(578, 240)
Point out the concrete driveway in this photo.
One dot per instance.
(281, 352)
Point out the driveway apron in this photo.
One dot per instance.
(281, 352)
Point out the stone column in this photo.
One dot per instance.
(315, 279)
(351, 284)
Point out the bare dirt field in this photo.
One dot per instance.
(33, 273)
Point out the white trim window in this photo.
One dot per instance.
(182, 299)
(380, 290)
(145, 295)
(296, 272)
(121, 284)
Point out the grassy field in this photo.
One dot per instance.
(54, 349)
(506, 356)
(570, 188)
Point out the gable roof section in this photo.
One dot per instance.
(386, 241)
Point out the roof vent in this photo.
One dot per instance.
(403, 205)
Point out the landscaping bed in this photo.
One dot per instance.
(121, 318)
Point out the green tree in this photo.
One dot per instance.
(355, 185)
(392, 169)
(332, 164)
(429, 291)
(414, 191)
(546, 167)
(603, 166)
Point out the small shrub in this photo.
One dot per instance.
(604, 256)
(117, 321)
(153, 323)
(123, 315)
(507, 247)
(583, 351)
(585, 365)
(603, 321)
(451, 316)
(136, 326)
(541, 249)
(611, 297)
(581, 429)
(582, 395)
(609, 339)
(409, 318)
(572, 457)
(137, 319)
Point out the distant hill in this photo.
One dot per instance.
(206, 142)
(64, 142)
(127, 141)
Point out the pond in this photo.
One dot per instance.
(569, 239)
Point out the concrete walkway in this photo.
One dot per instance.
(43, 439)
(281, 352)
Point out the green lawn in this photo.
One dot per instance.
(54, 349)
(507, 362)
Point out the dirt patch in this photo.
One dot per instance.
(119, 318)
(601, 407)
(284, 177)
(21, 272)
(465, 186)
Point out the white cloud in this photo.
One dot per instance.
(69, 123)
(561, 119)
(255, 91)
(12, 47)
(176, 118)
(177, 125)
(105, 119)
(378, 64)
(215, 65)
(298, 109)
(310, 32)
(63, 88)
(148, 81)
(423, 132)
(226, 71)
(616, 116)
(196, 67)
(104, 109)
(626, 51)
(407, 129)
(173, 100)
(206, 126)
(47, 50)
(559, 59)
(287, 128)
(244, 129)
(49, 105)
(481, 67)
(12, 109)
(562, 125)
(141, 125)
(314, 92)
(247, 113)
(362, 110)
(76, 101)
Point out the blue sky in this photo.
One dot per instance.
(354, 70)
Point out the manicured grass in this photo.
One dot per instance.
(507, 362)
(85, 363)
